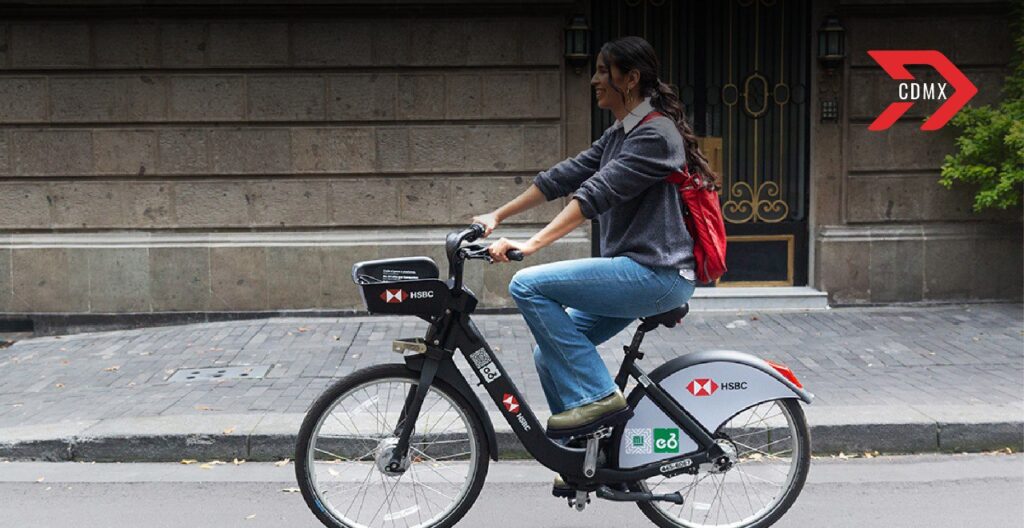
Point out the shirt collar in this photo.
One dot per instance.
(633, 118)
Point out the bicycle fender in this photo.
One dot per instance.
(448, 372)
(713, 386)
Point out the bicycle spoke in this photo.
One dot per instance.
(710, 498)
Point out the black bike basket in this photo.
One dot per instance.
(407, 286)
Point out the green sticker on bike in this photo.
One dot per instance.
(666, 440)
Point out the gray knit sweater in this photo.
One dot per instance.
(621, 180)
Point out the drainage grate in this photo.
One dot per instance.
(219, 373)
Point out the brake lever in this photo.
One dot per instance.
(479, 251)
(476, 251)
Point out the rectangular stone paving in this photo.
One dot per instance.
(949, 355)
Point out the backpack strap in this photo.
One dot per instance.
(679, 177)
(648, 117)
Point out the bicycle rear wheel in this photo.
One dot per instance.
(347, 438)
(771, 446)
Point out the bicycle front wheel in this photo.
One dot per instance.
(349, 434)
(770, 444)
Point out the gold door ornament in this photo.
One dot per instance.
(743, 205)
(757, 198)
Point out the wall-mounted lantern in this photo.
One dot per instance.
(831, 43)
(577, 43)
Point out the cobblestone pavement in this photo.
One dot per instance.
(964, 355)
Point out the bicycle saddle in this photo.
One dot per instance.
(669, 318)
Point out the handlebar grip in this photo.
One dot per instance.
(514, 254)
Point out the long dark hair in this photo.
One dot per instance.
(635, 53)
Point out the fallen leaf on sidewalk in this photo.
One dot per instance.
(303, 329)
(206, 466)
(188, 461)
(291, 490)
(114, 368)
(229, 430)
(282, 463)
(59, 385)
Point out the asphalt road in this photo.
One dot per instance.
(909, 491)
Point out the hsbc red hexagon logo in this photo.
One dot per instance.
(511, 404)
(393, 296)
(702, 387)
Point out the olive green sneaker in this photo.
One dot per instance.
(586, 418)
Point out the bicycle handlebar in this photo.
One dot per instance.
(457, 253)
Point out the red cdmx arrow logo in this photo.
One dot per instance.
(894, 63)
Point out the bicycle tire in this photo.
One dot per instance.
(344, 386)
(803, 435)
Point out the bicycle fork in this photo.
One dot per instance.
(410, 413)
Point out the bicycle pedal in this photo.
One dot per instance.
(602, 432)
(580, 500)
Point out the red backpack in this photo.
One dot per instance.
(703, 217)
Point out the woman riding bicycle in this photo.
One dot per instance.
(647, 263)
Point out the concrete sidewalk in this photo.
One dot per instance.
(891, 379)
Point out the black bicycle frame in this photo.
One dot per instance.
(454, 330)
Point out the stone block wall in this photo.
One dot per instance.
(884, 230)
(157, 161)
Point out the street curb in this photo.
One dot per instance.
(906, 438)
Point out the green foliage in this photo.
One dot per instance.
(991, 145)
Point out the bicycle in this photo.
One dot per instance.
(415, 440)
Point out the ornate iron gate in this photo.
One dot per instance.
(742, 68)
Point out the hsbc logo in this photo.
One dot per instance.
(702, 387)
(708, 386)
(393, 296)
(397, 296)
(511, 404)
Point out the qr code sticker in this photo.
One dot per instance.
(638, 441)
(480, 358)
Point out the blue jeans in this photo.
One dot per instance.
(603, 296)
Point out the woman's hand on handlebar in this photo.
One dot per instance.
(500, 248)
(490, 222)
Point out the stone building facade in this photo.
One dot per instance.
(157, 158)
